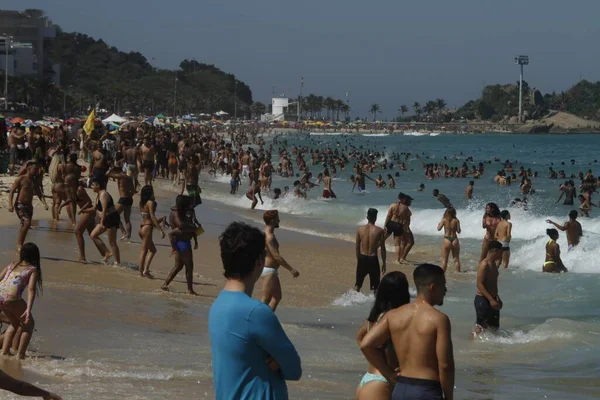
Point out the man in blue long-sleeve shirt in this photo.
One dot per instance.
(252, 356)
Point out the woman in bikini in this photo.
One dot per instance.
(553, 263)
(149, 221)
(392, 293)
(14, 279)
(451, 226)
(489, 222)
(109, 220)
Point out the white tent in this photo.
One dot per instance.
(221, 113)
(114, 118)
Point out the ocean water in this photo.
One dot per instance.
(549, 343)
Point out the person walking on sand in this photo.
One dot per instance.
(450, 243)
(23, 388)
(109, 220)
(572, 227)
(14, 279)
(553, 262)
(392, 293)
(253, 192)
(182, 231)
(252, 357)
(487, 302)
(149, 221)
(271, 287)
(25, 187)
(422, 342)
(369, 239)
(126, 186)
(504, 235)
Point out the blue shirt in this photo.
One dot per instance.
(243, 334)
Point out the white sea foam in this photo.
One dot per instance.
(326, 133)
(352, 298)
(416, 133)
(375, 134)
(552, 329)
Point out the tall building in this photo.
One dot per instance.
(28, 28)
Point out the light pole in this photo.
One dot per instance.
(7, 40)
(175, 96)
(521, 61)
(300, 98)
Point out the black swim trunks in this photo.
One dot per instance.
(486, 316)
(395, 227)
(112, 220)
(415, 388)
(126, 201)
(367, 265)
(147, 164)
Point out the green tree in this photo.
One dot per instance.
(418, 110)
(374, 110)
(403, 110)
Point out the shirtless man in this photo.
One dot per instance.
(126, 191)
(271, 287)
(442, 198)
(132, 159)
(404, 216)
(25, 187)
(469, 190)
(487, 302)
(572, 227)
(147, 156)
(245, 160)
(393, 225)
(15, 139)
(327, 192)
(359, 180)
(99, 166)
(87, 217)
(504, 235)
(192, 176)
(422, 342)
(568, 190)
(369, 238)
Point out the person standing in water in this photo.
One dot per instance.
(503, 235)
(422, 342)
(327, 183)
(126, 186)
(572, 227)
(392, 293)
(489, 222)
(149, 221)
(553, 262)
(252, 194)
(487, 302)
(252, 357)
(369, 238)
(469, 190)
(404, 216)
(271, 287)
(451, 226)
(393, 225)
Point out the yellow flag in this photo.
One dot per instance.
(88, 127)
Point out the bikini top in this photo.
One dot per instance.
(549, 241)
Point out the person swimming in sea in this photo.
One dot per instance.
(553, 262)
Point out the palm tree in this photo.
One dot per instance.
(403, 110)
(345, 109)
(441, 105)
(375, 109)
(417, 108)
(329, 104)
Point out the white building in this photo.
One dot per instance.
(279, 108)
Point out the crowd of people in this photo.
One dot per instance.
(407, 345)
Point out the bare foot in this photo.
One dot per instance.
(193, 293)
(116, 264)
(82, 260)
(107, 255)
(148, 275)
(165, 288)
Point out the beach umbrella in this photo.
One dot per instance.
(17, 120)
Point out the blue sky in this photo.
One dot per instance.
(385, 52)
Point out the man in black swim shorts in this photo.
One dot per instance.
(369, 238)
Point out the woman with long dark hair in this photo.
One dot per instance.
(14, 279)
(392, 293)
(553, 263)
(489, 222)
(149, 221)
(450, 243)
